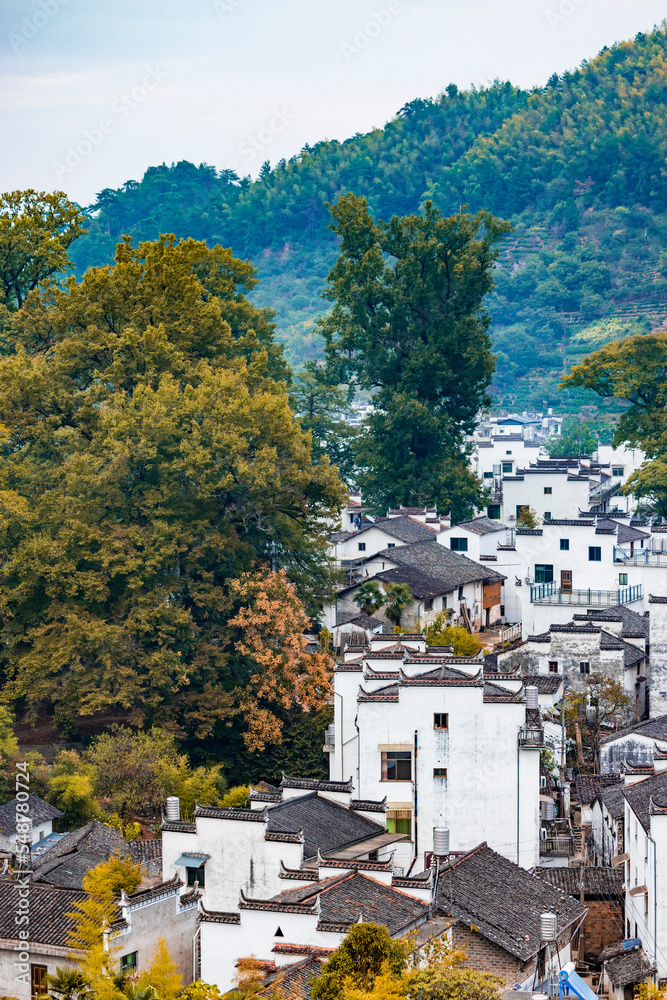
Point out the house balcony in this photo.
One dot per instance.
(552, 593)
(642, 558)
(531, 738)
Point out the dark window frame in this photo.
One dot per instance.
(396, 765)
(441, 720)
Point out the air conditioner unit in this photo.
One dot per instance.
(511, 517)
(529, 581)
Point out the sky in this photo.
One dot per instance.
(93, 92)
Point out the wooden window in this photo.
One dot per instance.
(548, 490)
(441, 720)
(584, 667)
(553, 666)
(396, 765)
(439, 772)
(362, 546)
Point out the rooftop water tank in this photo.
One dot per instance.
(440, 842)
(548, 926)
(173, 807)
(532, 699)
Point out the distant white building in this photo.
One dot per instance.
(427, 732)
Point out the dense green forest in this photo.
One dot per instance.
(578, 167)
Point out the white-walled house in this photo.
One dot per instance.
(36, 822)
(636, 745)
(445, 746)
(645, 862)
(438, 577)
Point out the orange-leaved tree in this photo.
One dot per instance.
(272, 622)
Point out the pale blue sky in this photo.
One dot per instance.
(95, 91)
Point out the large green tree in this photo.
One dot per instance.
(408, 323)
(319, 407)
(36, 229)
(577, 437)
(635, 370)
(148, 461)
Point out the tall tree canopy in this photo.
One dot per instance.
(149, 460)
(635, 369)
(36, 229)
(408, 323)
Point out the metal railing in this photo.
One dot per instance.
(531, 737)
(643, 558)
(551, 593)
(559, 846)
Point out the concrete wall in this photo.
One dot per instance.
(53, 958)
(148, 922)
(658, 641)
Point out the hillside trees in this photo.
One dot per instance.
(635, 370)
(155, 458)
(408, 323)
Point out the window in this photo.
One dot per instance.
(399, 821)
(362, 546)
(508, 452)
(565, 544)
(428, 604)
(458, 544)
(37, 980)
(439, 772)
(493, 511)
(584, 667)
(544, 573)
(547, 515)
(548, 490)
(196, 875)
(622, 579)
(507, 468)
(460, 596)
(594, 553)
(441, 720)
(617, 470)
(392, 545)
(488, 475)
(553, 666)
(128, 963)
(396, 765)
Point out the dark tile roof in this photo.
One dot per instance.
(363, 621)
(604, 882)
(421, 585)
(178, 826)
(293, 982)
(649, 728)
(66, 863)
(613, 800)
(327, 826)
(628, 534)
(438, 561)
(641, 795)
(632, 622)
(405, 528)
(609, 641)
(218, 916)
(480, 525)
(485, 890)
(240, 815)
(545, 683)
(369, 805)
(316, 784)
(343, 900)
(49, 906)
(39, 812)
(632, 654)
(145, 850)
(590, 785)
(628, 967)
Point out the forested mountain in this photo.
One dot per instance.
(578, 167)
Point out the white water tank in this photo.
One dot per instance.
(549, 810)
(173, 807)
(548, 926)
(532, 697)
(440, 842)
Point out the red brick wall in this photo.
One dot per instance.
(603, 926)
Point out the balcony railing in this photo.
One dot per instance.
(531, 738)
(552, 593)
(643, 558)
(557, 847)
(508, 633)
